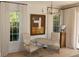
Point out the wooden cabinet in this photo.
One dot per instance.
(62, 39)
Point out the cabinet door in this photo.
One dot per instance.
(62, 39)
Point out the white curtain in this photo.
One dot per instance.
(5, 27)
(0, 34)
(23, 24)
(77, 27)
(70, 22)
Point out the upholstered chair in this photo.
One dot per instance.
(54, 42)
(28, 44)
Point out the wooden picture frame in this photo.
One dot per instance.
(37, 24)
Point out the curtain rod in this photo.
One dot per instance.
(14, 2)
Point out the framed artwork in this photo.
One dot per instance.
(37, 24)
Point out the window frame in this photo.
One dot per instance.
(56, 23)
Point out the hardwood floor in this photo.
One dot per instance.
(64, 52)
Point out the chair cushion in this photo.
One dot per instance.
(33, 48)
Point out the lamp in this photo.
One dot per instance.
(63, 28)
(51, 9)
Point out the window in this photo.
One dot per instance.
(14, 26)
(56, 23)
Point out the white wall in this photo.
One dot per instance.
(50, 26)
(34, 8)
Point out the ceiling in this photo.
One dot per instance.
(63, 3)
(48, 3)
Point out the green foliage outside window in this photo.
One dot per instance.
(56, 23)
(14, 26)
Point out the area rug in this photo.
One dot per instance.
(76, 55)
(42, 53)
